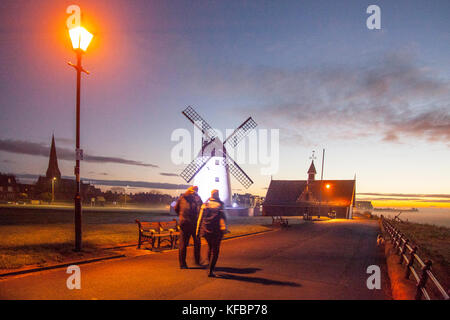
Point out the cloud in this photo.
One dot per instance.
(167, 174)
(392, 99)
(117, 183)
(66, 141)
(138, 184)
(405, 199)
(416, 195)
(99, 173)
(40, 149)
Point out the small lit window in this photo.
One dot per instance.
(217, 162)
(217, 179)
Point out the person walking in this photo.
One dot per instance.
(187, 208)
(212, 225)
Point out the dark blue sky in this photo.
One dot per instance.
(377, 100)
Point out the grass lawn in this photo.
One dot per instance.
(433, 243)
(41, 237)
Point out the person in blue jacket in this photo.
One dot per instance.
(212, 225)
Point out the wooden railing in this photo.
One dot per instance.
(428, 287)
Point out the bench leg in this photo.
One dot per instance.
(139, 243)
(172, 241)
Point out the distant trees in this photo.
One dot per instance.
(152, 197)
(65, 189)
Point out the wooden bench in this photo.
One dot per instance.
(173, 229)
(157, 232)
(279, 221)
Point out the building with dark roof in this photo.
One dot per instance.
(310, 197)
(9, 189)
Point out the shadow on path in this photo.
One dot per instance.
(263, 281)
(237, 270)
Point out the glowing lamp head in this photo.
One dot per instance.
(327, 186)
(80, 37)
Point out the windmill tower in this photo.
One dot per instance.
(211, 169)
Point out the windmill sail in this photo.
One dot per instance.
(198, 121)
(238, 173)
(194, 167)
(240, 132)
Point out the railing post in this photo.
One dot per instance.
(399, 239)
(411, 262)
(423, 279)
(397, 235)
(394, 238)
(402, 251)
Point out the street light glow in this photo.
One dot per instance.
(327, 186)
(80, 37)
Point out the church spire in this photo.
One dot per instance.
(53, 170)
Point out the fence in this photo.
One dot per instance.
(428, 286)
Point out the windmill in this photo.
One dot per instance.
(211, 169)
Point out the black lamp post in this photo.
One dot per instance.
(80, 38)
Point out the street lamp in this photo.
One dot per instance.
(80, 38)
(126, 189)
(53, 189)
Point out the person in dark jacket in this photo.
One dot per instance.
(187, 208)
(212, 225)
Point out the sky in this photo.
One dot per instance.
(378, 101)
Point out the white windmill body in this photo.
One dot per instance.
(214, 174)
(212, 167)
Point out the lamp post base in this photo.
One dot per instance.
(77, 222)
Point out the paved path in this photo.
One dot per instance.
(320, 260)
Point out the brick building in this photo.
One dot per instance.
(310, 197)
